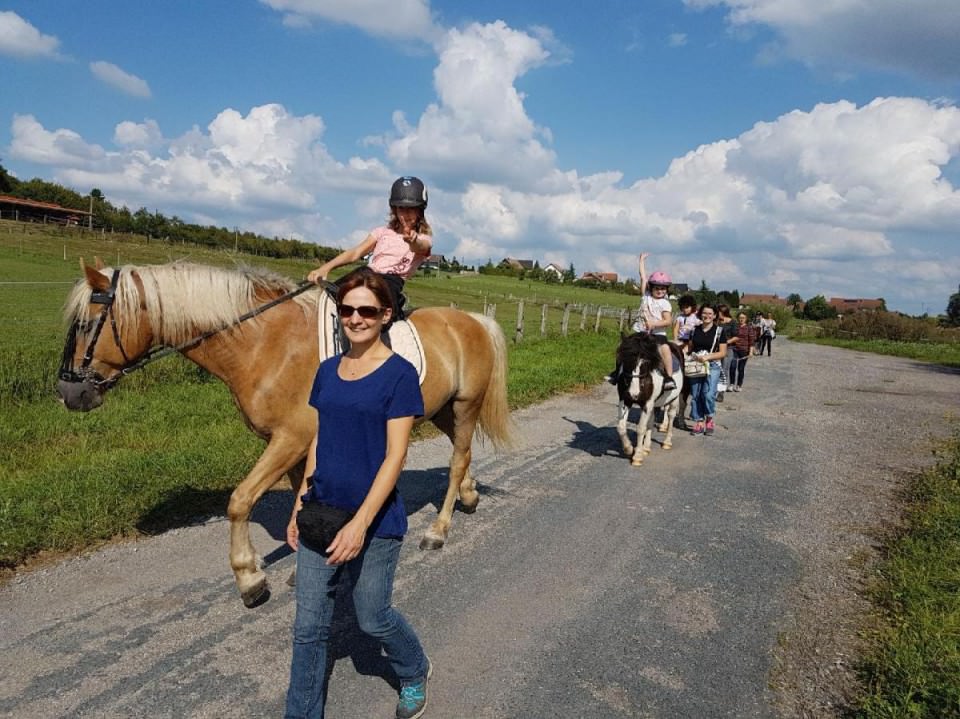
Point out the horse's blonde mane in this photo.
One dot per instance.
(184, 299)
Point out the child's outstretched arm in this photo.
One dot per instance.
(643, 272)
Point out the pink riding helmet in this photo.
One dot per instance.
(659, 278)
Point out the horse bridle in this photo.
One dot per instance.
(86, 374)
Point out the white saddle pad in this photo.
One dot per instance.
(402, 337)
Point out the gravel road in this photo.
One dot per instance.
(721, 579)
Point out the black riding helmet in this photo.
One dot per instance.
(408, 192)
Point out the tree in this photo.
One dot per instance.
(8, 183)
(953, 309)
(817, 308)
(570, 275)
(704, 295)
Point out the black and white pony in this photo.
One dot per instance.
(640, 382)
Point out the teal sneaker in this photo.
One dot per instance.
(413, 697)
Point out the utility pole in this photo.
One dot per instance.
(90, 218)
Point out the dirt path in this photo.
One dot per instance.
(720, 579)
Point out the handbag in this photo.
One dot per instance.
(693, 367)
(318, 524)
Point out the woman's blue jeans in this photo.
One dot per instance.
(371, 576)
(703, 394)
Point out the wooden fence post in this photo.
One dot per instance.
(565, 322)
(518, 337)
(596, 325)
(623, 319)
(583, 318)
(543, 320)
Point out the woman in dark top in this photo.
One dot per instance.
(707, 345)
(366, 400)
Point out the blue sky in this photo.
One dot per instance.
(761, 145)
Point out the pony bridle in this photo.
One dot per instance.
(85, 373)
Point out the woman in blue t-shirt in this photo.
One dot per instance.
(367, 400)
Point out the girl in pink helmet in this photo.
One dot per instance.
(398, 248)
(654, 319)
(656, 315)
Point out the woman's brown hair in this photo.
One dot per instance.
(365, 277)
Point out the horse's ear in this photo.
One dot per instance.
(96, 280)
(98, 263)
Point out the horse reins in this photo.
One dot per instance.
(107, 298)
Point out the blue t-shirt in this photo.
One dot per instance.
(352, 436)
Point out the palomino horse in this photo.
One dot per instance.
(268, 363)
(640, 382)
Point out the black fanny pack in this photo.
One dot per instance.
(318, 524)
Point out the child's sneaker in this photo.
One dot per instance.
(413, 697)
(697, 428)
(708, 429)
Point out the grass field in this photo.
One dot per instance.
(168, 446)
(913, 667)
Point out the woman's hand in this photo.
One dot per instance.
(293, 533)
(348, 542)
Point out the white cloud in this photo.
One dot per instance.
(131, 134)
(401, 19)
(479, 127)
(31, 142)
(917, 37)
(677, 39)
(21, 39)
(118, 78)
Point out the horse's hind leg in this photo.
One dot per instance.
(458, 423)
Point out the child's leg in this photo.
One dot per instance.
(666, 356)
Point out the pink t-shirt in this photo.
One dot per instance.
(393, 256)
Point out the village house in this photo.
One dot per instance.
(513, 263)
(555, 270)
(599, 276)
(845, 306)
(752, 300)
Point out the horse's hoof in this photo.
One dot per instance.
(468, 508)
(256, 596)
(668, 446)
(636, 462)
(627, 451)
(431, 543)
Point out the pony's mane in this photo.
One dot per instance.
(637, 347)
(183, 299)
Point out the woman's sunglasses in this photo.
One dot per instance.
(367, 312)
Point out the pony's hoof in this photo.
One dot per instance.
(257, 595)
(668, 446)
(431, 543)
(636, 461)
(628, 451)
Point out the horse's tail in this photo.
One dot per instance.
(495, 421)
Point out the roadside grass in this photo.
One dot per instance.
(942, 353)
(913, 666)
